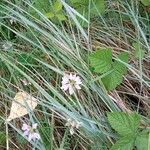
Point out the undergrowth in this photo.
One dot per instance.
(104, 43)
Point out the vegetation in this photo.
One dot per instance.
(75, 74)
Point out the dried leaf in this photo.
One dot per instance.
(23, 102)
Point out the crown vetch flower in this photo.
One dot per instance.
(71, 82)
(30, 132)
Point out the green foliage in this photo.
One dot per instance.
(96, 7)
(20, 139)
(46, 133)
(123, 123)
(142, 141)
(56, 12)
(101, 61)
(124, 143)
(53, 11)
(2, 137)
(139, 53)
(127, 126)
(145, 2)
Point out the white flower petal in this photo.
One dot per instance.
(71, 131)
(77, 86)
(71, 91)
(34, 126)
(25, 127)
(35, 136)
(30, 137)
(65, 87)
(26, 133)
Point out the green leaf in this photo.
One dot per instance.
(120, 66)
(57, 6)
(61, 17)
(20, 139)
(124, 143)
(49, 15)
(101, 60)
(145, 2)
(25, 58)
(112, 80)
(2, 137)
(139, 53)
(99, 6)
(124, 124)
(142, 141)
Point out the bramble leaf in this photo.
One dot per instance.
(124, 124)
(145, 2)
(101, 60)
(119, 66)
(142, 141)
(124, 143)
(112, 80)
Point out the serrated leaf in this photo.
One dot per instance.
(124, 124)
(119, 66)
(142, 141)
(124, 143)
(57, 6)
(145, 2)
(112, 80)
(101, 60)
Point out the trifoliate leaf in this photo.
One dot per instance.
(124, 124)
(124, 143)
(142, 141)
(139, 53)
(101, 60)
(22, 104)
(57, 6)
(145, 2)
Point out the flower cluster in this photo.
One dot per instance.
(71, 82)
(30, 132)
(73, 125)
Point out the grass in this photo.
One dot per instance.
(42, 52)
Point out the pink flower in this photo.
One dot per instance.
(71, 82)
(30, 132)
